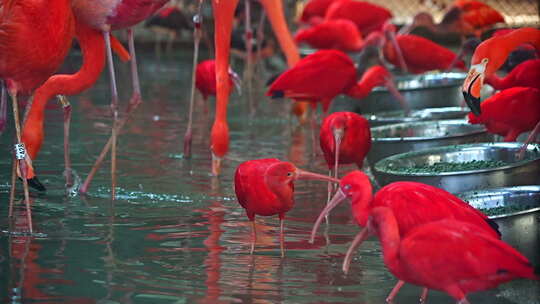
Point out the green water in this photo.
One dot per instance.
(177, 234)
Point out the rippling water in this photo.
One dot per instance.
(177, 234)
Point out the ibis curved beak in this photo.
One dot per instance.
(472, 86)
(301, 174)
(338, 198)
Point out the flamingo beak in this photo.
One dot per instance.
(301, 174)
(30, 176)
(236, 81)
(338, 198)
(473, 84)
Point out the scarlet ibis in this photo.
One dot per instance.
(510, 112)
(464, 16)
(315, 10)
(416, 204)
(266, 187)
(448, 255)
(345, 138)
(92, 46)
(526, 74)
(35, 37)
(340, 34)
(420, 54)
(205, 76)
(105, 16)
(489, 56)
(367, 16)
(323, 75)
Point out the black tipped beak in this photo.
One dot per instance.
(36, 184)
(473, 103)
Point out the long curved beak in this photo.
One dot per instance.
(338, 197)
(358, 239)
(472, 86)
(301, 174)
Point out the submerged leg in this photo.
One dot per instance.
(136, 95)
(395, 291)
(20, 155)
(197, 21)
(253, 236)
(3, 108)
(281, 236)
(67, 119)
(423, 295)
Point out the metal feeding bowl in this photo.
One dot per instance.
(420, 91)
(413, 136)
(398, 116)
(517, 212)
(463, 167)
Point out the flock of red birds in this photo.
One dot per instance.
(428, 236)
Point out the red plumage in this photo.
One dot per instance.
(205, 78)
(510, 112)
(526, 74)
(448, 255)
(315, 9)
(355, 142)
(340, 34)
(478, 14)
(367, 16)
(421, 54)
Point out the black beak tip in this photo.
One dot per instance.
(473, 103)
(36, 184)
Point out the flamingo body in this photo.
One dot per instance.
(510, 112)
(24, 64)
(367, 16)
(448, 255)
(526, 74)
(340, 34)
(421, 54)
(355, 142)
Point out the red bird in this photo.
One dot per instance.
(416, 203)
(367, 16)
(345, 138)
(448, 255)
(315, 10)
(489, 56)
(420, 54)
(265, 187)
(325, 74)
(510, 112)
(205, 78)
(35, 37)
(526, 74)
(340, 34)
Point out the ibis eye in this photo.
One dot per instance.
(289, 173)
(347, 187)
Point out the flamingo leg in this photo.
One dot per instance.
(136, 95)
(423, 295)
(260, 38)
(3, 108)
(281, 237)
(20, 153)
(67, 120)
(313, 127)
(114, 108)
(529, 139)
(248, 71)
(13, 186)
(395, 291)
(197, 20)
(253, 236)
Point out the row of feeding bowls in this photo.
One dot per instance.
(399, 138)
(467, 167)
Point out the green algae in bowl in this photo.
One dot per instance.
(462, 168)
(506, 201)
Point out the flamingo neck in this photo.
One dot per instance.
(93, 50)
(274, 10)
(498, 82)
(388, 233)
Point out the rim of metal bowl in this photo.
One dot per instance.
(379, 117)
(531, 148)
(473, 130)
(453, 78)
(503, 190)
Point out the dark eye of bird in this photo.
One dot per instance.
(347, 187)
(289, 173)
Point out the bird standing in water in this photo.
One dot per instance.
(35, 37)
(416, 204)
(266, 187)
(448, 255)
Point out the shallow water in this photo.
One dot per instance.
(177, 234)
